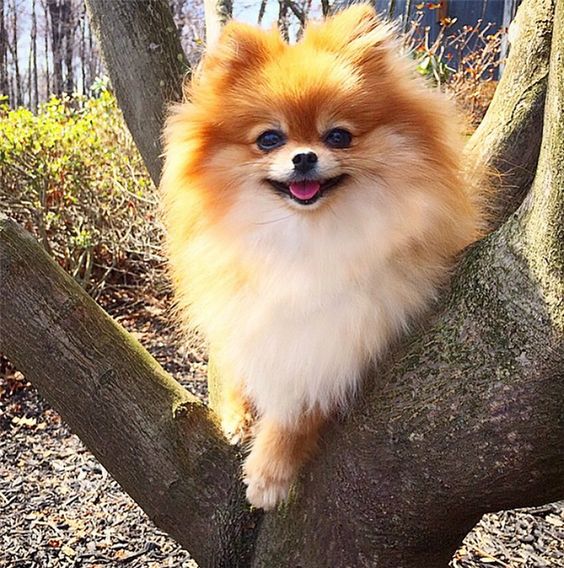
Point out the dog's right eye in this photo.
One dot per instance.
(270, 140)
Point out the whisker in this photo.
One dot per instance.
(333, 211)
(273, 220)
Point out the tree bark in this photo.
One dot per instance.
(4, 84)
(463, 418)
(56, 8)
(34, 89)
(46, 49)
(146, 65)
(18, 97)
(69, 28)
(508, 139)
(158, 441)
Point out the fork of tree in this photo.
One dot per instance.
(463, 418)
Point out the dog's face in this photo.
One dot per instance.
(310, 127)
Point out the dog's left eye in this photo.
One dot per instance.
(270, 140)
(338, 138)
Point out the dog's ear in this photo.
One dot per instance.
(242, 45)
(356, 32)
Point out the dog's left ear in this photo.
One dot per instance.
(356, 32)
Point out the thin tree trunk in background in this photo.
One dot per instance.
(69, 27)
(46, 50)
(261, 11)
(28, 88)
(92, 57)
(15, 56)
(34, 85)
(56, 8)
(4, 84)
(82, 49)
(283, 19)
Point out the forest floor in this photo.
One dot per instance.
(60, 508)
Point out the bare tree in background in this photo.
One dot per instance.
(62, 55)
(13, 47)
(46, 48)
(62, 37)
(4, 85)
(33, 56)
(217, 12)
(69, 33)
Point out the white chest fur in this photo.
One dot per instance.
(322, 298)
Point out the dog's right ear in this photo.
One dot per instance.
(241, 45)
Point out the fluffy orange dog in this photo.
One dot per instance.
(314, 201)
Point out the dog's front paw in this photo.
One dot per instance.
(266, 487)
(266, 493)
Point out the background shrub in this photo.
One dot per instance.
(72, 175)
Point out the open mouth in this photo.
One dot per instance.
(306, 191)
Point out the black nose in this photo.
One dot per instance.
(304, 162)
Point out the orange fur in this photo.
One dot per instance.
(297, 299)
(278, 453)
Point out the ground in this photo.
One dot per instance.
(60, 508)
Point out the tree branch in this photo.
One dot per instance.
(146, 64)
(508, 139)
(297, 12)
(540, 226)
(157, 440)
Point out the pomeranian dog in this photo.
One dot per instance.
(314, 199)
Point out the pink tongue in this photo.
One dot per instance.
(304, 189)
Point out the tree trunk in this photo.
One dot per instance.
(69, 27)
(508, 139)
(82, 50)
(283, 24)
(18, 98)
(46, 50)
(34, 86)
(217, 12)
(146, 64)
(4, 85)
(55, 8)
(465, 417)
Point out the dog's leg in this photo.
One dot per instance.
(235, 412)
(277, 454)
